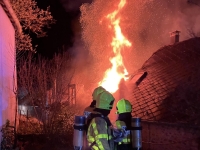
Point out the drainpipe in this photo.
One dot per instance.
(11, 14)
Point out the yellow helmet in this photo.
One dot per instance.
(97, 91)
(105, 100)
(123, 106)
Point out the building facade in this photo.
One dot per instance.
(9, 25)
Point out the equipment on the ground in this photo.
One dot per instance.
(136, 129)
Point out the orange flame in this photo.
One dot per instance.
(118, 71)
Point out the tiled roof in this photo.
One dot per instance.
(171, 90)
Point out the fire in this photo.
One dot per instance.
(118, 71)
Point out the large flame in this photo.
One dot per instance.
(118, 71)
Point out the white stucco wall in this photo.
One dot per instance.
(7, 70)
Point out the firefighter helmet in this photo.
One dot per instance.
(123, 106)
(97, 91)
(105, 100)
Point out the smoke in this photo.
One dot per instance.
(146, 24)
(195, 2)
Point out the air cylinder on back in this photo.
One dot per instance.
(136, 134)
(79, 132)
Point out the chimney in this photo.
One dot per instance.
(174, 36)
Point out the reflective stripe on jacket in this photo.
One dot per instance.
(99, 135)
(119, 125)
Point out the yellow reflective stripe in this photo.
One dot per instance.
(95, 147)
(89, 136)
(102, 136)
(126, 140)
(97, 137)
(95, 128)
(110, 137)
(90, 139)
(94, 125)
(100, 145)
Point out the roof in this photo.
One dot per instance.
(11, 15)
(171, 90)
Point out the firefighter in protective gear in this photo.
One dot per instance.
(89, 111)
(124, 109)
(99, 132)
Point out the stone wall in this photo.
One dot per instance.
(166, 136)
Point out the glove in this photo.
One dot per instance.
(119, 134)
(125, 132)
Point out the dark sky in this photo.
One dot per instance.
(61, 34)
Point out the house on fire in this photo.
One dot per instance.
(168, 98)
(9, 25)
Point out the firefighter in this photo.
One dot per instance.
(99, 135)
(89, 111)
(124, 109)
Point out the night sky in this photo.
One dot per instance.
(62, 34)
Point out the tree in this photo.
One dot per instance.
(47, 84)
(33, 21)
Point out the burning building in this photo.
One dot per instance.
(171, 86)
(169, 96)
(165, 88)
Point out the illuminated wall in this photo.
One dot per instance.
(7, 70)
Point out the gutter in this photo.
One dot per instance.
(11, 14)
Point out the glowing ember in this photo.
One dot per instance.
(118, 71)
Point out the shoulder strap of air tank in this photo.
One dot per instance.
(105, 118)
